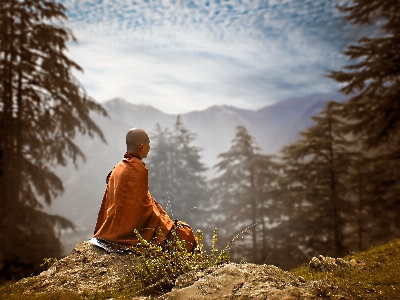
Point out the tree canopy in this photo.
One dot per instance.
(316, 167)
(176, 173)
(42, 107)
(242, 195)
(373, 77)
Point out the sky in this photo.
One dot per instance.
(185, 55)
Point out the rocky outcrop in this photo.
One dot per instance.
(89, 269)
(250, 281)
(322, 263)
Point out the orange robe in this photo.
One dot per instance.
(128, 205)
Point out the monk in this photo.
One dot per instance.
(127, 204)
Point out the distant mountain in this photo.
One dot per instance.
(272, 126)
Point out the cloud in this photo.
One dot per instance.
(182, 55)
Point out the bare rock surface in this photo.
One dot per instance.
(89, 269)
(250, 281)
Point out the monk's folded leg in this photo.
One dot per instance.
(185, 233)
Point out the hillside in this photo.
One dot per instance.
(91, 273)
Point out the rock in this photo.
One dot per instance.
(322, 263)
(250, 281)
(301, 279)
(49, 272)
(80, 247)
(87, 269)
(190, 278)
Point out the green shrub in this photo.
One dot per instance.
(158, 268)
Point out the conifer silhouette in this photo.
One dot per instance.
(176, 173)
(42, 107)
(373, 111)
(242, 193)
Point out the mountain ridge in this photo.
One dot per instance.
(285, 103)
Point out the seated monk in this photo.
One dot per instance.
(127, 204)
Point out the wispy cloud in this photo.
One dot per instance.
(181, 55)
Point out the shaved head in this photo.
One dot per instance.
(135, 139)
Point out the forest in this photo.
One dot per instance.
(332, 192)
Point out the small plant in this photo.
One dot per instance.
(49, 262)
(160, 266)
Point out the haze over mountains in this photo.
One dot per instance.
(272, 127)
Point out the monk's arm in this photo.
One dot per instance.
(160, 209)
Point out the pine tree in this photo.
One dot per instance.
(373, 111)
(176, 173)
(270, 208)
(42, 106)
(242, 193)
(373, 184)
(159, 164)
(364, 174)
(375, 75)
(316, 175)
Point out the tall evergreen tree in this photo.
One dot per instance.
(242, 193)
(364, 192)
(270, 208)
(317, 169)
(42, 106)
(159, 162)
(373, 111)
(176, 173)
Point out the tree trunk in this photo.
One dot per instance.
(337, 234)
(360, 212)
(264, 246)
(253, 194)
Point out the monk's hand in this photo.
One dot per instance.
(177, 223)
(180, 224)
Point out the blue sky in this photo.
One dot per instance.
(184, 55)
